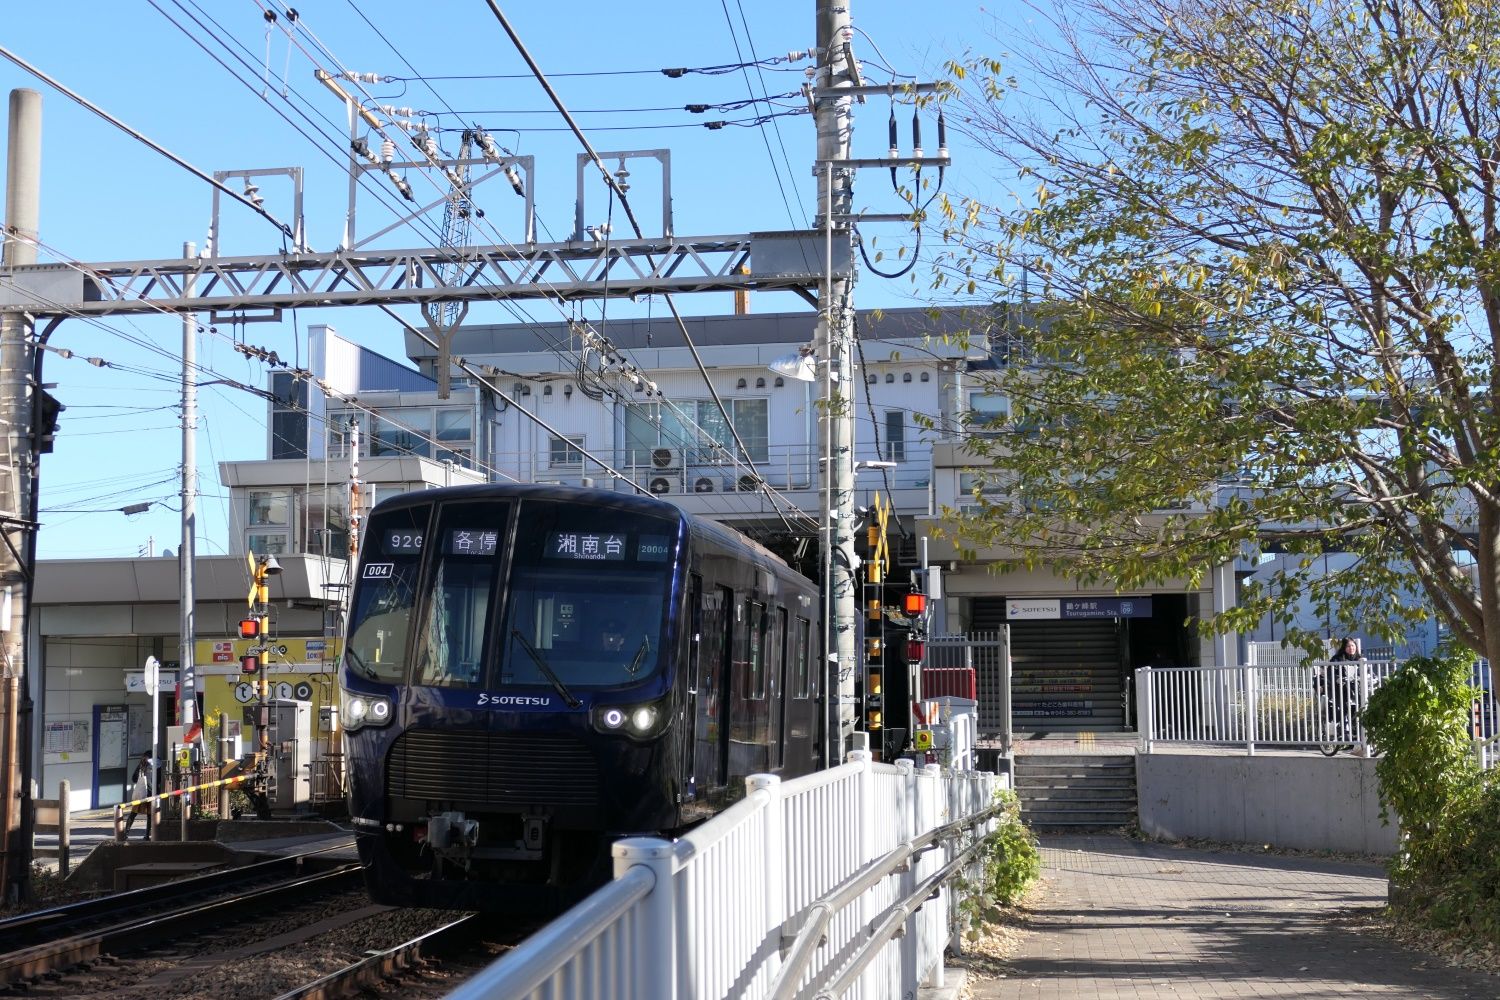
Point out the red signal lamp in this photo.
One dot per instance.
(249, 628)
(914, 650)
(249, 663)
(915, 604)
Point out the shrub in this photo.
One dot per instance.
(1008, 862)
(1448, 866)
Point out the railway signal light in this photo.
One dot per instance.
(915, 604)
(250, 628)
(249, 663)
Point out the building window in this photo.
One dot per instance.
(270, 507)
(565, 452)
(906, 376)
(890, 377)
(926, 376)
(339, 434)
(403, 432)
(987, 410)
(649, 426)
(288, 416)
(895, 436)
(740, 384)
(267, 543)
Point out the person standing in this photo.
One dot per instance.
(138, 792)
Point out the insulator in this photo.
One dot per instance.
(942, 134)
(514, 176)
(387, 150)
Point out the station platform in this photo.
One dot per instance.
(234, 841)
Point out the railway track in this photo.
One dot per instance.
(100, 930)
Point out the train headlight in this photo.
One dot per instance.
(639, 721)
(358, 710)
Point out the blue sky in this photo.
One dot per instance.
(106, 197)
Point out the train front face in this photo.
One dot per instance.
(507, 696)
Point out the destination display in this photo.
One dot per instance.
(407, 543)
(470, 542)
(586, 546)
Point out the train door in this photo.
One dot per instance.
(710, 699)
(776, 673)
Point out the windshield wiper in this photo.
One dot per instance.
(635, 661)
(359, 661)
(567, 696)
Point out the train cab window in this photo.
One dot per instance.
(468, 546)
(588, 598)
(385, 596)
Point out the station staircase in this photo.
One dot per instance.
(1076, 791)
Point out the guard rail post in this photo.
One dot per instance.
(119, 822)
(935, 977)
(1246, 671)
(865, 834)
(655, 960)
(1145, 717)
(910, 820)
(775, 841)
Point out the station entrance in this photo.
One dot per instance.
(1073, 674)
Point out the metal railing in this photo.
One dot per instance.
(1258, 706)
(810, 886)
(988, 655)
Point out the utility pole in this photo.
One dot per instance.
(832, 346)
(18, 401)
(187, 553)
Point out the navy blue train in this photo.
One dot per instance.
(530, 672)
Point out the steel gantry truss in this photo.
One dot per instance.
(790, 261)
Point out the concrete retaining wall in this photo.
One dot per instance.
(1306, 802)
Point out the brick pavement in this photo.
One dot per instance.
(1126, 920)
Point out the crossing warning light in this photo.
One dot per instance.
(249, 663)
(249, 628)
(915, 604)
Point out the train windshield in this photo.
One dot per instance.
(588, 598)
(385, 597)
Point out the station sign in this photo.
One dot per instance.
(1075, 608)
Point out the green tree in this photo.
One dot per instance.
(1260, 240)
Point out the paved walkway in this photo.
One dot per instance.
(1125, 919)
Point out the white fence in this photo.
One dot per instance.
(800, 889)
(1250, 706)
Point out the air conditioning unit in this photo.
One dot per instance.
(703, 484)
(660, 485)
(748, 484)
(666, 458)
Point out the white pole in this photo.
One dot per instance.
(153, 686)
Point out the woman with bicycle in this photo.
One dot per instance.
(1338, 681)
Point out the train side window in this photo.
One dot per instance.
(800, 674)
(755, 629)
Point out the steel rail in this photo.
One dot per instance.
(30, 927)
(375, 969)
(50, 956)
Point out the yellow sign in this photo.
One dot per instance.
(922, 739)
(301, 669)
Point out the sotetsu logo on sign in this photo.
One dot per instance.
(1032, 609)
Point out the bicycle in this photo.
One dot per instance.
(1341, 718)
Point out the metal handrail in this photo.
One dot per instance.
(817, 916)
(889, 924)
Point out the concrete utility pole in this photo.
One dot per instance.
(832, 345)
(187, 552)
(17, 519)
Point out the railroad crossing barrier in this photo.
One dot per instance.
(155, 802)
